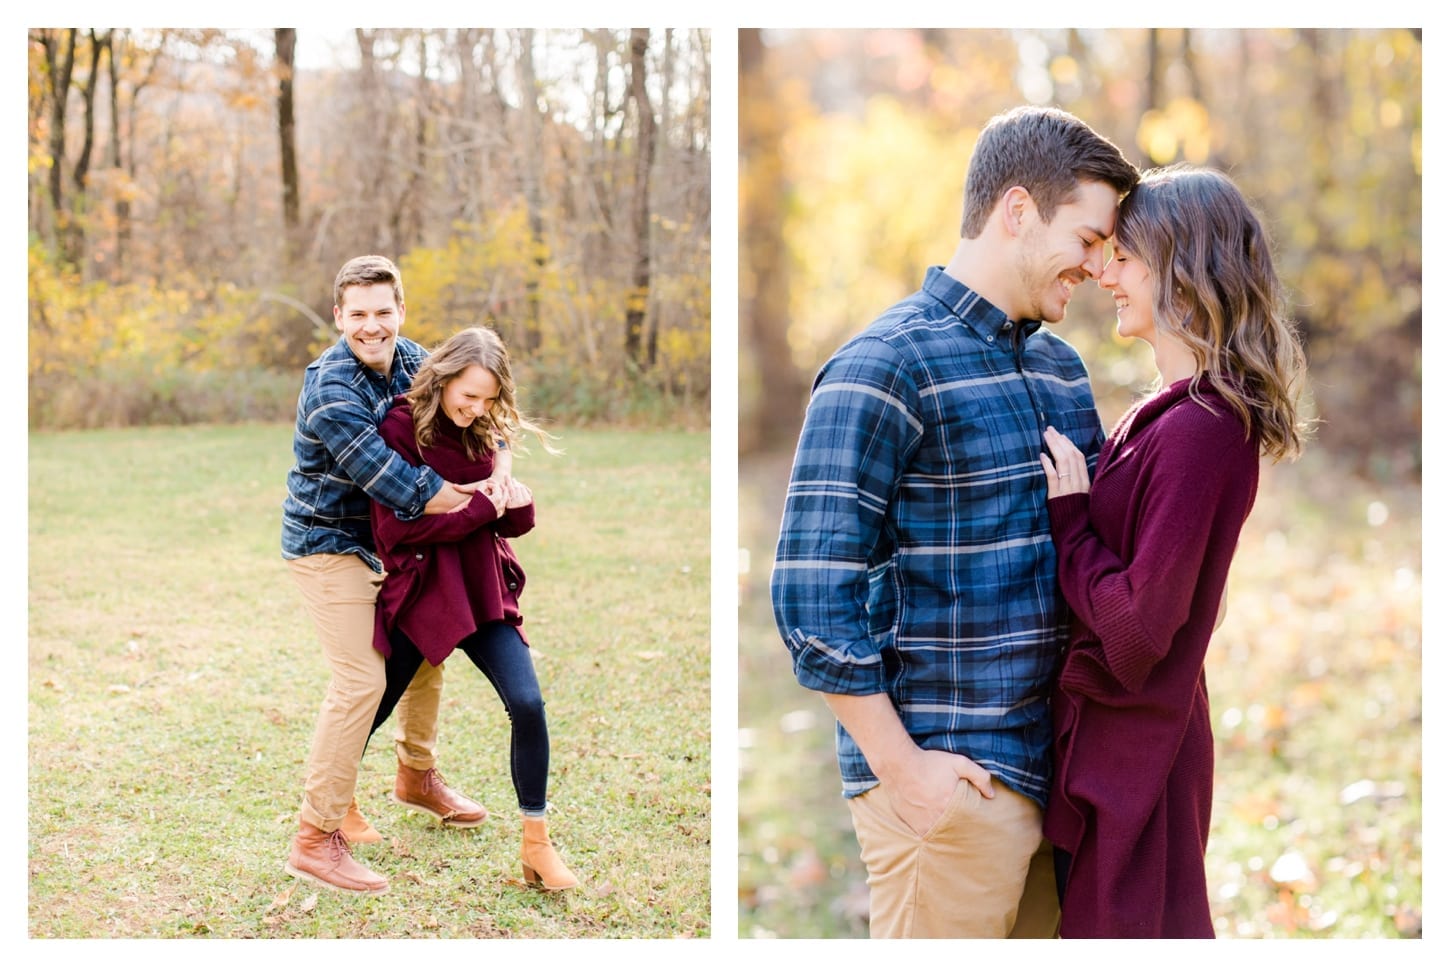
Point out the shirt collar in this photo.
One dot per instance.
(979, 315)
(395, 368)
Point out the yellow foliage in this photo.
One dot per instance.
(79, 328)
(859, 241)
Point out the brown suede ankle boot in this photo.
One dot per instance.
(357, 827)
(425, 791)
(326, 859)
(542, 865)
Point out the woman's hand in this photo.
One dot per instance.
(518, 494)
(1067, 469)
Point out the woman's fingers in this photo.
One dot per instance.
(1053, 486)
(1070, 464)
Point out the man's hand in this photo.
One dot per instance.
(917, 782)
(920, 786)
(449, 498)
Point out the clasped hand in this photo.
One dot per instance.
(506, 493)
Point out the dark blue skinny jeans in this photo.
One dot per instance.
(504, 659)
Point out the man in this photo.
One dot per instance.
(915, 577)
(328, 544)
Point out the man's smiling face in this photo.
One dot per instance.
(369, 319)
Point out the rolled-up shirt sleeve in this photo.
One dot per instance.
(349, 431)
(861, 426)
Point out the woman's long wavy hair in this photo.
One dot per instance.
(475, 346)
(1216, 290)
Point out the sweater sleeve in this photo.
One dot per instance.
(516, 521)
(389, 532)
(1194, 488)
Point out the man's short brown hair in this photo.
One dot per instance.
(368, 270)
(1045, 150)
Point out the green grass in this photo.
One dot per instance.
(174, 680)
(1314, 680)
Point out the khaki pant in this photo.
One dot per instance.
(983, 870)
(340, 591)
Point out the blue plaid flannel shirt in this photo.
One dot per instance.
(915, 556)
(341, 460)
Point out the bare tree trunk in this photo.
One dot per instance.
(60, 52)
(123, 196)
(778, 386)
(286, 41)
(639, 345)
(463, 134)
(82, 171)
(372, 170)
(598, 213)
(1152, 90)
(407, 219)
(530, 161)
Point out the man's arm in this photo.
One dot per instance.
(861, 429)
(449, 499)
(347, 428)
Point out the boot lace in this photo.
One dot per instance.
(338, 845)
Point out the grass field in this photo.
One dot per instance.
(174, 680)
(1316, 690)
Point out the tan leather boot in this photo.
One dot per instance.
(542, 865)
(326, 859)
(425, 791)
(357, 827)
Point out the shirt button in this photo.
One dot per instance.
(513, 585)
(991, 339)
(418, 556)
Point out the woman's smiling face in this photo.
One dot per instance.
(469, 395)
(1127, 277)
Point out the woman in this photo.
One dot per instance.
(452, 579)
(1143, 558)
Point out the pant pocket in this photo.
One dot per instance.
(965, 801)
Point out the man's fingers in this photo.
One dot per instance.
(978, 777)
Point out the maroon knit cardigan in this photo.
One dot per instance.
(1142, 562)
(447, 574)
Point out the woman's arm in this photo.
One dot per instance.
(389, 532)
(1195, 487)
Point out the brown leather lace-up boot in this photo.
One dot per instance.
(425, 791)
(326, 859)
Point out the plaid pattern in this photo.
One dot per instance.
(915, 556)
(336, 443)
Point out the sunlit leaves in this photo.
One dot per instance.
(859, 240)
(1179, 131)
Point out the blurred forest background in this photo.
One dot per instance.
(194, 192)
(853, 150)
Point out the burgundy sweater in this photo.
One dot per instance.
(1143, 561)
(447, 574)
